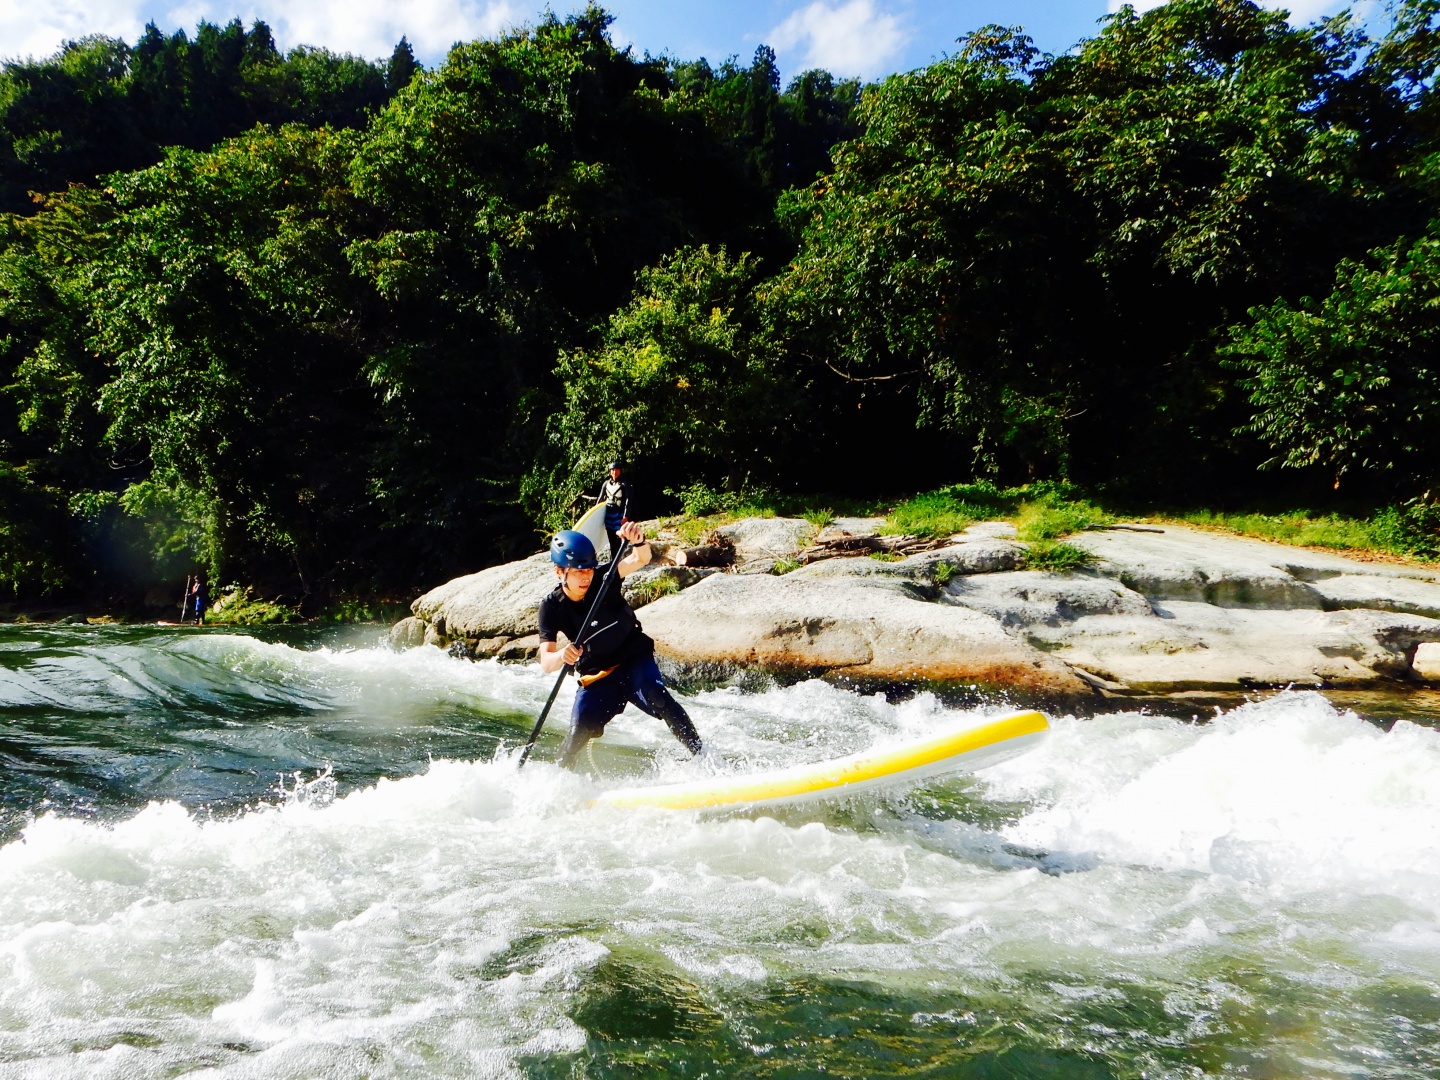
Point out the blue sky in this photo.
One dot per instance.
(869, 38)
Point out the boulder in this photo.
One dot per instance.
(1426, 661)
(1176, 564)
(522, 648)
(875, 632)
(1162, 610)
(407, 633)
(499, 602)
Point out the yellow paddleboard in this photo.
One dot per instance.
(961, 746)
(592, 524)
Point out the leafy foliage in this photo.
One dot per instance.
(362, 326)
(1350, 382)
(100, 105)
(1033, 252)
(686, 374)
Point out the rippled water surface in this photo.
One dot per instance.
(294, 855)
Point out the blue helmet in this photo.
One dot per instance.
(572, 550)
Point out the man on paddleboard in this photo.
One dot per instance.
(615, 665)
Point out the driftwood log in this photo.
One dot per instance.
(837, 547)
(704, 555)
(716, 550)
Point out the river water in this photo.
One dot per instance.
(294, 854)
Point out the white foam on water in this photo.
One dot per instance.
(441, 924)
(1289, 792)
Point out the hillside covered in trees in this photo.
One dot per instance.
(335, 326)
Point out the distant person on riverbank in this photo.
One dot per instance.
(615, 665)
(199, 599)
(615, 494)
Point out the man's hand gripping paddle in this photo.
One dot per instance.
(584, 632)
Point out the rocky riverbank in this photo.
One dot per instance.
(1160, 611)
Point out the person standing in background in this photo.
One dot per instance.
(615, 494)
(199, 598)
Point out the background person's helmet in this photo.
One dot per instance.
(572, 550)
(614, 465)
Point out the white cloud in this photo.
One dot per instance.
(37, 30)
(854, 38)
(372, 27)
(368, 28)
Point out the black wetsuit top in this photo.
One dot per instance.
(614, 637)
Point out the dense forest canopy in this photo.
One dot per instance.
(335, 326)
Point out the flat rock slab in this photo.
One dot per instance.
(1189, 565)
(814, 626)
(1185, 645)
(1177, 563)
(1030, 597)
(980, 555)
(1414, 596)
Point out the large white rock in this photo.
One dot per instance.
(1177, 563)
(871, 630)
(499, 602)
(1162, 610)
(1427, 660)
(1188, 564)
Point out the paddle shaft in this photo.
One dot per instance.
(580, 640)
(185, 599)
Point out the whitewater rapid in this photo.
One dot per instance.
(1264, 884)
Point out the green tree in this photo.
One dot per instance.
(225, 308)
(402, 67)
(686, 380)
(1350, 384)
(522, 185)
(1036, 253)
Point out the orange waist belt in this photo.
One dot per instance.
(586, 680)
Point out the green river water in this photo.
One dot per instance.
(295, 853)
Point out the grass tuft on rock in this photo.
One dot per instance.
(935, 513)
(649, 591)
(1050, 517)
(1056, 556)
(1041, 511)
